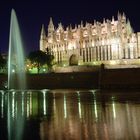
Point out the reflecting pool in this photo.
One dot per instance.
(69, 115)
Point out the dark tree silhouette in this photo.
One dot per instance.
(50, 58)
(3, 63)
(39, 58)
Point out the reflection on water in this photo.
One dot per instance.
(69, 114)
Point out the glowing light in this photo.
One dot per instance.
(5, 85)
(44, 70)
(114, 47)
(113, 62)
(114, 110)
(44, 90)
(28, 107)
(103, 42)
(113, 97)
(13, 105)
(44, 103)
(22, 103)
(13, 70)
(125, 62)
(64, 65)
(79, 63)
(2, 105)
(70, 46)
(79, 106)
(30, 104)
(54, 104)
(96, 63)
(65, 107)
(78, 93)
(95, 109)
(93, 44)
(92, 91)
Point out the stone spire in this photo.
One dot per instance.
(129, 28)
(70, 27)
(94, 23)
(43, 33)
(42, 38)
(75, 26)
(104, 21)
(119, 16)
(50, 27)
(82, 25)
(113, 19)
(60, 27)
(123, 17)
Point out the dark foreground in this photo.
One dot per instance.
(69, 115)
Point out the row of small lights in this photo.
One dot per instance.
(13, 70)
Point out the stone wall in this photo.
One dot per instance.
(78, 80)
(76, 69)
(128, 78)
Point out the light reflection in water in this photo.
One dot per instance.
(54, 104)
(28, 105)
(65, 107)
(22, 102)
(15, 116)
(44, 103)
(13, 105)
(95, 109)
(2, 104)
(114, 110)
(95, 106)
(79, 105)
(70, 115)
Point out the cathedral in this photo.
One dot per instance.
(109, 42)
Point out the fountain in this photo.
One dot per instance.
(16, 80)
(16, 67)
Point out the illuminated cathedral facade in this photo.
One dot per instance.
(110, 42)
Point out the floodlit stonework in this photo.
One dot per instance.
(110, 42)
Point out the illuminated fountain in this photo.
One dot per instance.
(16, 68)
(16, 80)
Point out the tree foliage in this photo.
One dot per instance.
(2, 62)
(40, 58)
(49, 59)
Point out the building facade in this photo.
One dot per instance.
(110, 42)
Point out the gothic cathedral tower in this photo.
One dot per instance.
(110, 42)
(43, 39)
(50, 31)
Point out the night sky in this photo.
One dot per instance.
(32, 14)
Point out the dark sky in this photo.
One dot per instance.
(32, 14)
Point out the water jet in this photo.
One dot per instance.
(16, 66)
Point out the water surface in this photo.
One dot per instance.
(69, 115)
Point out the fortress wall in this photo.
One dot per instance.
(78, 80)
(126, 78)
(120, 78)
